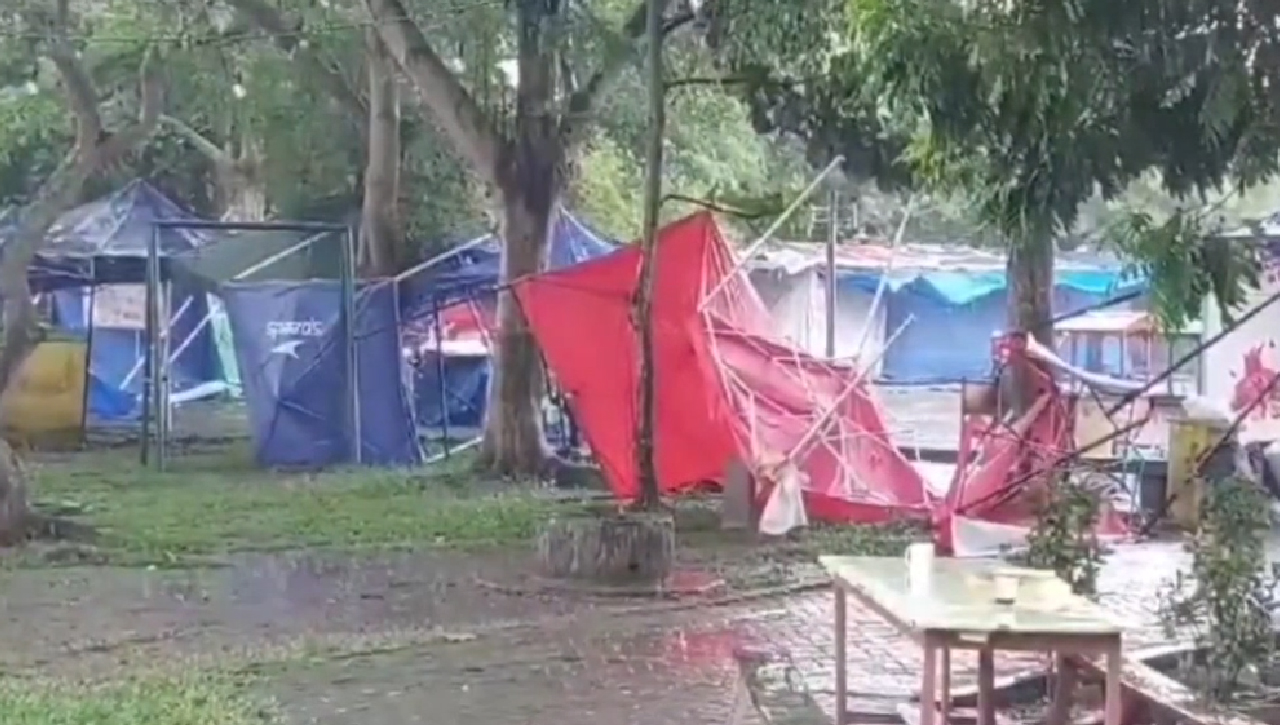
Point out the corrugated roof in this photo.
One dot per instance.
(797, 256)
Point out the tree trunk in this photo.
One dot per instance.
(240, 195)
(382, 249)
(94, 149)
(641, 318)
(514, 444)
(1030, 272)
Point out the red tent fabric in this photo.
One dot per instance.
(778, 400)
(994, 497)
(581, 317)
(726, 387)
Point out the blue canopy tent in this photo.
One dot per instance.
(471, 272)
(95, 262)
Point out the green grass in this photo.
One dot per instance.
(210, 505)
(199, 699)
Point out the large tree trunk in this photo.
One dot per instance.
(94, 149)
(514, 443)
(382, 248)
(646, 464)
(528, 172)
(238, 188)
(1030, 272)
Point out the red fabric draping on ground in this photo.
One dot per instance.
(581, 316)
(774, 396)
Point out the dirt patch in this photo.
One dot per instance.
(76, 613)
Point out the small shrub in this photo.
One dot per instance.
(1063, 537)
(1226, 598)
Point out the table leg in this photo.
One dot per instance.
(944, 700)
(1112, 708)
(987, 686)
(929, 684)
(842, 672)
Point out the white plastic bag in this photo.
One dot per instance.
(784, 510)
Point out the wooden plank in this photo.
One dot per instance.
(1167, 696)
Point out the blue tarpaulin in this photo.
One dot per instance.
(110, 237)
(292, 354)
(948, 342)
(967, 286)
(472, 272)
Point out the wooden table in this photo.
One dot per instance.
(956, 610)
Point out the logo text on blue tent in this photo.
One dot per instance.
(288, 335)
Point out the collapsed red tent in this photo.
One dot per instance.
(726, 387)
(1000, 483)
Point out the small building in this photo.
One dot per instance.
(940, 306)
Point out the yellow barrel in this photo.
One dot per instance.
(44, 407)
(1189, 439)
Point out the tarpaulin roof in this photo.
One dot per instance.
(477, 264)
(106, 241)
(954, 274)
(122, 223)
(726, 387)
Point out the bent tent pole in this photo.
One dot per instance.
(773, 229)
(854, 384)
(884, 280)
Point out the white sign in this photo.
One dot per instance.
(121, 306)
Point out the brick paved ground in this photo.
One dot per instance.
(657, 669)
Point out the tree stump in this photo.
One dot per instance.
(618, 548)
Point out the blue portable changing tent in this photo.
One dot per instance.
(106, 241)
(291, 349)
(471, 272)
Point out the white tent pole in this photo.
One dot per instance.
(750, 252)
(137, 366)
(855, 384)
(437, 259)
(884, 279)
(208, 317)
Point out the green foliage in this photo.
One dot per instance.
(1227, 597)
(1063, 539)
(1025, 111)
(1186, 261)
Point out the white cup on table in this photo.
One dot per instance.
(919, 565)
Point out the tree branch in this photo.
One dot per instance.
(201, 144)
(678, 83)
(454, 110)
(286, 35)
(79, 91)
(150, 104)
(582, 104)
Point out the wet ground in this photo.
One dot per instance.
(415, 639)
